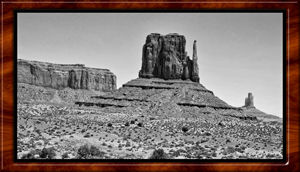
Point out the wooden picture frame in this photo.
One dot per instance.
(292, 87)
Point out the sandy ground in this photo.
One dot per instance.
(66, 128)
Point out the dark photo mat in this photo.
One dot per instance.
(170, 167)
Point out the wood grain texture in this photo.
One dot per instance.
(292, 85)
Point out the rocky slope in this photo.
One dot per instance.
(59, 76)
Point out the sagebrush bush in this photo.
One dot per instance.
(65, 155)
(140, 124)
(127, 124)
(86, 136)
(83, 151)
(51, 153)
(29, 155)
(207, 134)
(109, 125)
(230, 149)
(159, 154)
(44, 153)
(152, 118)
(48, 153)
(176, 153)
(95, 151)
(86, 152)
(185, 129)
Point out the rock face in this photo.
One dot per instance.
(249, 100)
(164, 56)
(60, 76)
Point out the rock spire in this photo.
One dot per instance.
(249, 102)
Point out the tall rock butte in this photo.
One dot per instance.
(164, 56)
(60, 76)
(249, 102)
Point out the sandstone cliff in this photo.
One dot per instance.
(60, 76)
(165, 57)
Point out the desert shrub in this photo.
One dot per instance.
(51, 153)
(198, 142)
(199, 156)
(83, 151)
(127, 144)
(38, 131)
(207, 134)
(189, 156)
(140, 124)
(48, 153)
(65, 155)
(44, 153)
(159, 154)
(35, 152)
(95, 151)
(109, 125)
(230, 149)
(132, 122)
(239, 150)
(185, 129)
(127, 124)
(87, 136)
(176, 153)
(28, 156)
(221, 124)
(243, 147)
(86, 152)
(152, 118)
(181, 150)
(24, 156)
(136, 119)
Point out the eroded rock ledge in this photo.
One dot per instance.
(60, 76)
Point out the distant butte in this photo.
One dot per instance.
(59, 76)
(250, 109)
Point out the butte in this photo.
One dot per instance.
(168, 85)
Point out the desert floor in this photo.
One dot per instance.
(65, 128)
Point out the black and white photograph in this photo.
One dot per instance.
(109, 85)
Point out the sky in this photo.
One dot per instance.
(238, 53)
